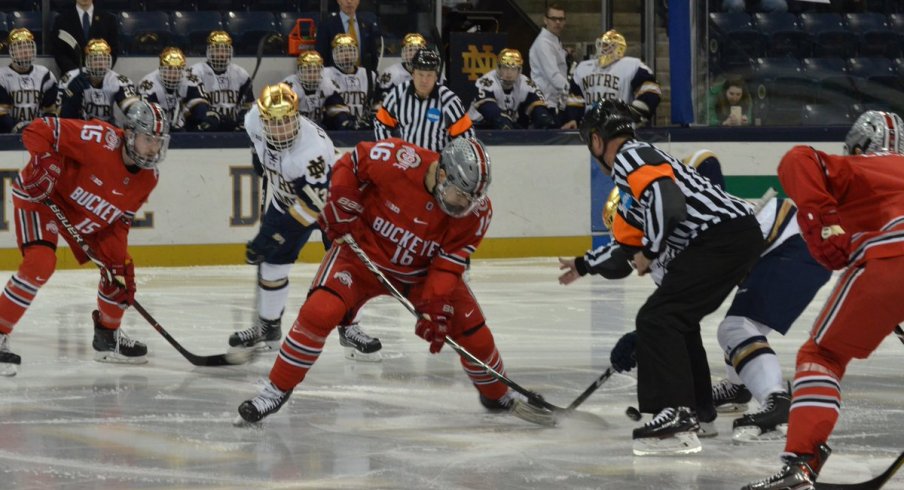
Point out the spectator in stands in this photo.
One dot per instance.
(27, 90)
(763, 5)
(96, 92)
(180, 94)
(363, 26)
(318, 97)
(732, 106)
(507, 99)
(84, 22)
(548, 68)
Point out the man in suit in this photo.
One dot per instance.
(84, 22)
(363, 25)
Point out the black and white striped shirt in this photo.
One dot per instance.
(638, 165)
(429, 123)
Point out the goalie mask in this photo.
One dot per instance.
(22, 49)
(875, 132)
(147, 133)
(219, 50)
(466, 167)
(98, 59)
(508, 67)
(172, 68)
(278, 106)
(310, 70)
(410, 44)
(610, 47)
(345, 52)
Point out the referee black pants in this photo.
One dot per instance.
(672, 367)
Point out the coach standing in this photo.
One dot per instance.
(420, 111)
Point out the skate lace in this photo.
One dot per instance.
(725, 390)
(247, 334)
(509, 398)
(661, 417)
(268, 399)
(353, 332)
(123, 340)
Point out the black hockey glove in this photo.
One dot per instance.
(623, 356)
(263, 245)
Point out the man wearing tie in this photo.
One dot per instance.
(83, 23)
(362, 25)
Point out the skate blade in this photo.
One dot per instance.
(242, 423)
(680, 443)
(707, 430)
(356, 355)
(533, 414)
(8, 370)
(732, 408)
(753, 434)
(114, 358)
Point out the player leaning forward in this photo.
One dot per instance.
(705, 239)
(99, 176)
(419, 215)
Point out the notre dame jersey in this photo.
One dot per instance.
(516, 103)
(25, 96)
(229, 93)
(359, 91)
(79, 99)
(176, 103)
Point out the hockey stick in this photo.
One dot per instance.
(531, 396)
(537, 415)
(900, 333)
(260, 52)
(216, 360)
(72, 43)
(874, 484)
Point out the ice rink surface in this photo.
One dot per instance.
(410, 422)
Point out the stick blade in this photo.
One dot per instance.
(533, 414)
(233, 358)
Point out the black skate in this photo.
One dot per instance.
(729, 397)
(672, 431)
(264, 335)
(503, 404)
(769, 423)
(799, 472)
(9, 362)
(269, 400)
(358, 345)
(115, 346)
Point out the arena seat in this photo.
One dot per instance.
(779, 88)
(29, 19)
(830, 36)
(875, 34)
(735, 42)
(825, 115)
(221, 5)
(784, 35)
(144, 33)
(274, 5)
(192, 29)
(19, 5)
(248, 28)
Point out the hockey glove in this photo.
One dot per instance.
(118, 283)
(40, 176)
(340, 212)
(20, 126)
(624, 355)
(433, 326)
(210, 122)
(827, 241)
(263, 245)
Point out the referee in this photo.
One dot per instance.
(420, 111)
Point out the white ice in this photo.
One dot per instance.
(410, 422)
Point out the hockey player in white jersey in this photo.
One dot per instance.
(179, 93)
(399, 73)
(97, 92)
(357, 86)
(227, 85)
(318, 97)
(296, 157)
(612, 75)
(507, 99)
(27, 91)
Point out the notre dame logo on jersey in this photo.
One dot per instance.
(317, 168)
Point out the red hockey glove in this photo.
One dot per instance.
(433, 326)
(118, 283)
(340, 212)
(827, 241)
(39, 177)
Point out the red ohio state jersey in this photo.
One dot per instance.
(95, 190)
(408, 235)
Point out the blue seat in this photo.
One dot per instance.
(121, 5)
(780, 87)
(30, 20)
(823, 67)
(826, 115)
(896, 21)
(875, 33)
(145, 33)
(868, 67)
(785, 37)
(171, 5)
(274, 5)
(830, 36)
(192, 29)
(735, 42)
(4, 33)
(222, 5)
(19, 5)
(248, 29)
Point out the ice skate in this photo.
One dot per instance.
(503, 404)
(9, 362)
(729, 397)
(115, 346)
(672, 431)
(359, 346)
(768, 424)
(707, 428)
(264, 335)
(269, 400)
(799, 472)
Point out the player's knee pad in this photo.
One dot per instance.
(274, 276)
(814, 358)
(321, 312)
(38, 265)
(478, 341)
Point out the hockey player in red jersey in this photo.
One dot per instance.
(419, 215)
(851, 214)
(99, 176)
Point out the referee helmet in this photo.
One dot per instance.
(425, 59)
(608, 119)
(465, 168)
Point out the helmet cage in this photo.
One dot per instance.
(280, 133)
(171, 76)
(346, 57)
(22, 53)
(98, 64)
(147, 121)
(610, 47)
(467, 177)
(219, 55)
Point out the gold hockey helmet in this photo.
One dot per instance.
(219, 50)
(345, 52)
(310, 69)
(508, 67)
(172, 67)
(611, 208)
(412, 42)
(610, 47)
(22, 48)
(98, 58)
(278, 106)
